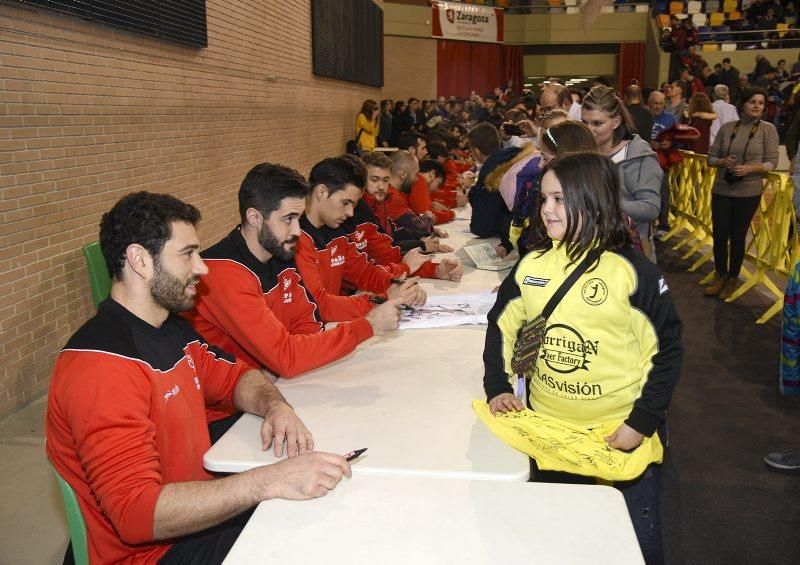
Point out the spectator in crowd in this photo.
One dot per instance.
(511, 132)
(430, 177)
(664, 89)
(765, 80)
(662, 121)
(490, 217)
(725, 111)
(795, 173)
(676, 104)
(641, 115)
(399, 109)
(406, 120)
(638, 362)
(783, 74)
(557, 96)
(730, 78)
(743, 151)
(700, 115)
(385, 124)
(761, 68)
(796, 66)
(367, 125)
(639, 171)
(690, 83)
(789, 380)
(414, 143)
(792, 137)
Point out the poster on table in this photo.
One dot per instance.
(467, 22)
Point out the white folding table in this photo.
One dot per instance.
(388, 520)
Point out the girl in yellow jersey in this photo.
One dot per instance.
(611, 349)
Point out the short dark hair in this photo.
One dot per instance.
(485, 138)
(748, 93)
(337, 172)
(144, 218)
(412, 100)
(437, 149)
(428, 165)
(266, 185)
(590, 187)
(408, 139)
(726, 60)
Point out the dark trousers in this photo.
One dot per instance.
(731, 218)
(642, 497)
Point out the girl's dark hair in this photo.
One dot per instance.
(568, 137)
(590, 188)
(747, 94)
(605, 99)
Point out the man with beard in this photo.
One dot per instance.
(327, 259)
(125, 422)
(253, 303)
(372, 234)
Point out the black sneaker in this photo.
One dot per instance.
(788, 460)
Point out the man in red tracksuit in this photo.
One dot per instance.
(431, 176)
(125, 422)
(327, 259)
(370, 236)
(253, 303)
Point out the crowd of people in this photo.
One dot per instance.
(571, 181)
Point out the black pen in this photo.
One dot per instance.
(354, 454)
(399, 281)
(382, 300)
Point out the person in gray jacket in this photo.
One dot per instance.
(743, 151)
(639, 171)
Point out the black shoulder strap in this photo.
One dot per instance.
(590, 258)
(360, 131)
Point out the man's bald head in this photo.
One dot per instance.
(405, 167)
(633, 95)
(555, 96)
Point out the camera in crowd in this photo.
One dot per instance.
(730, 178)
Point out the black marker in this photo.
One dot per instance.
(382, 300)
(354, 454)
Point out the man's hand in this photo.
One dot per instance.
(385, 317)
(414, 259)
(281, 423)
(624, 438)
(505, 402)
(461, 199)
(466, 180)
(500, 251)
(309, 475)
(438, 206)
(409, 292)
(432, 245)
(430, 215)
(439, 232)
(529, 129)
(450, 269)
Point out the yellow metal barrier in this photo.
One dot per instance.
(770, 249)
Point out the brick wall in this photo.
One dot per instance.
(409, 68)
(89, 113)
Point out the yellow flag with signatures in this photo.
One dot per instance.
(560, 446)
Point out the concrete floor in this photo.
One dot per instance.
(720, 503)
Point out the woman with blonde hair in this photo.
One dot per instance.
(367, 125)
(639, 172)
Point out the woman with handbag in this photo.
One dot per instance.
(367, 125)
(743, 151)
(602, 315)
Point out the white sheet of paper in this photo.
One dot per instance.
(485, 257)
(449, 310)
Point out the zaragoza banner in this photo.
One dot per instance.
(467, 22)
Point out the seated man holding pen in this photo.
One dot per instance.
(327, 259)
(367, 231)
(253, 303)
(125, 423)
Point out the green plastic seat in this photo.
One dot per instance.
(77, 527)
(99, 279)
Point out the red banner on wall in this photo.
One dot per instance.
(467, 22)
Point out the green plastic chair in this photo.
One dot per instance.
(77, 527)
(99, 279)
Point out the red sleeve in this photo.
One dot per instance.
(219, 375)
(426, 271)
(444, 216)
(333, 308)
(233, 297)
(361, 273)
(114, 440)
(419, 200)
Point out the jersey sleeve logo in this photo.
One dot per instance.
(535, 281)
